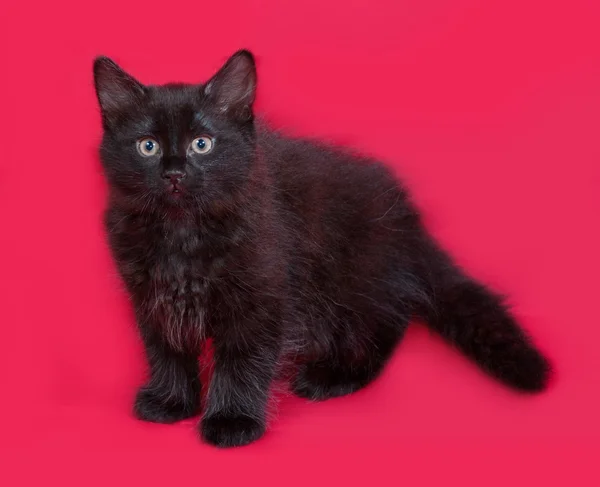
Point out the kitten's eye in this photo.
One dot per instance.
(202, 145)
(148, 147)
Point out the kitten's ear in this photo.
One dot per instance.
(116, 90)
(233, 88)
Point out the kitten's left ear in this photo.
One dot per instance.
(117, 91)
(233, 88)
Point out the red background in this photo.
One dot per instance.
(490, 110)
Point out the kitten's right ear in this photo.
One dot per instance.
(116, 90)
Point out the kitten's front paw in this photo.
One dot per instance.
(157, 407)
(227, 431)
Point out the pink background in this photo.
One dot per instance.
(490, 110)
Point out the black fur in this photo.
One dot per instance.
(282, 251)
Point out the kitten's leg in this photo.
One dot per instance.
(173, 391)
(342, 372)
(245, 360)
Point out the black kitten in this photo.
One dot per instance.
(281, 251)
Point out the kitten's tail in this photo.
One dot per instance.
(476, 321)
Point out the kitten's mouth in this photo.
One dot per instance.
(175, 189)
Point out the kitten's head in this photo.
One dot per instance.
(177, 145)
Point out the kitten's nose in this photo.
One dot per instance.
(173, 175)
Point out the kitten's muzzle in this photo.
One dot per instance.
(173, 178)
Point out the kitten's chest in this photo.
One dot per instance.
(178, 275)
(177, 299)
(168, 274)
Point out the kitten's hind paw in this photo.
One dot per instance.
(153, 406)
(319, 381)
(226, 431)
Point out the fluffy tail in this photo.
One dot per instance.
(476, 321)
